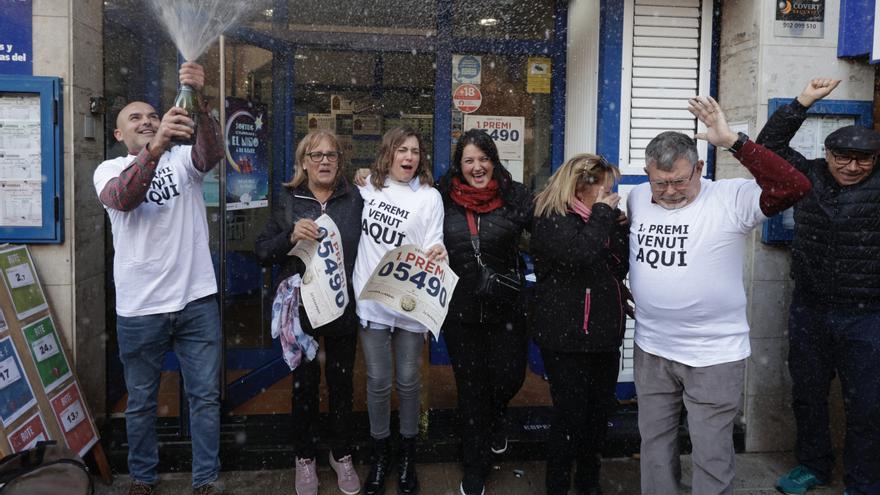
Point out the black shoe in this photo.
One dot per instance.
(472, 484)
(407, 481)
(375, 482)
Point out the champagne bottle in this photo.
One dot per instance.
(188, 99)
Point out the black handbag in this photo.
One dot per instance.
(492, 283)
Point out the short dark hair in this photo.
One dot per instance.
(667, 147)
(482, 140)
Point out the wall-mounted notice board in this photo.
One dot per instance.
(31, 160)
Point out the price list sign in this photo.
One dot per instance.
(42, 340)
(28, 434)
(74, 420)
(24, 290)
(16, 395)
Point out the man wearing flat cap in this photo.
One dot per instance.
(834, 319)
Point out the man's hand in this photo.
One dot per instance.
(816, 90)
(175, 125)
(709, 112)
(193, 75)
(305, 228)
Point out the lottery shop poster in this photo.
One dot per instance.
(21, 282)
(72, 416)
(26, 435)
(16, 394)
(45, 347)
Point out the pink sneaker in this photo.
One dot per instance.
(306, 478)
(347, 477)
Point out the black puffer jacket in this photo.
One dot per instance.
(580, 268)
(836, 248)
(499, 232)
(344, 207)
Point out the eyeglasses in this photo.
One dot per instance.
(317, 156)
(662, 185)
(861, 160)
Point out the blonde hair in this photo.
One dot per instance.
(390, 142)
(585, 168)
(306, 145)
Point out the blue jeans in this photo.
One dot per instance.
(194, 335)
(846, 341)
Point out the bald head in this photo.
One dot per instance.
(136, 125)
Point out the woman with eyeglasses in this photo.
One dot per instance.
(580, 248)
(401, 206)
(319, 187)
(484, 331)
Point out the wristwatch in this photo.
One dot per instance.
(738, 144)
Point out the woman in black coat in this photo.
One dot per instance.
(580, 247)
(484, 332)
(319, 187)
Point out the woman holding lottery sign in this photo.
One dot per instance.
(484, 331)
(319, 187)
(580, 247)
(401, 207)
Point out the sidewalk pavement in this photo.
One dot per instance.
(756, 475)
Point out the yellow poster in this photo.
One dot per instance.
(538, 75)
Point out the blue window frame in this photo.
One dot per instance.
(49, 90)
(780, 228)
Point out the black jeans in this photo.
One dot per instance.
(489, 362)
(339, 352)
(846, 341)
(582, 388)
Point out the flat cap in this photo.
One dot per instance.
(853, 138)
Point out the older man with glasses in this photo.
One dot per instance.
(687, 244)
(834, 318)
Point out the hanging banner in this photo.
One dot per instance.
(247, 159)
(800, 19)
(16, 37)
(324, 288)
(467, 69)
(507, 132)
(74, 420)
(24, 289)
(16, 394)
(42, 340)
(406, 282)
(28, 434)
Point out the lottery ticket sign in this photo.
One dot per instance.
(45, 347)
(324, 289)
(16, 394)
(73, 417)
(406, 282)
(28, 434)
(24, 289)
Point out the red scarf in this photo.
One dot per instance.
(480, 200)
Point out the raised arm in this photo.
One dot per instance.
(208, 148)
(781, 184)
(785, 122)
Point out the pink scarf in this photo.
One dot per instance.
(578, 207)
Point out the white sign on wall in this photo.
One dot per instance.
(507, 132)
(467, 69)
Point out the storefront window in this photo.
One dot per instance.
(503, 19)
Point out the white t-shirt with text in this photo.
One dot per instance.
(686, 272)
(396, 215)
(162, 259)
